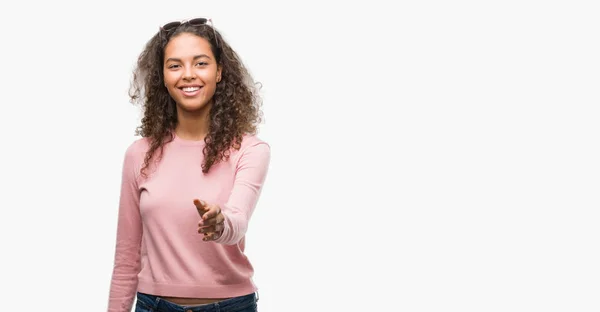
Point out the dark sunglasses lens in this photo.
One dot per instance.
(171, 25)
(198, 21)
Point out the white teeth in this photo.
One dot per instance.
(191, 89)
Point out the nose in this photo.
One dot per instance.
(189, 73)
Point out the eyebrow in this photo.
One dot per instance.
(173, 59)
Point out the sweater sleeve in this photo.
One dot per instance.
(250, 175)
(128, 240)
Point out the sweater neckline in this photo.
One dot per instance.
(181, 141)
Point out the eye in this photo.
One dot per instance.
(173, 66)
(202, 63)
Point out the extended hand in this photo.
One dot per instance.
(211, 223)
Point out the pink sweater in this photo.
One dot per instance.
(158, 249)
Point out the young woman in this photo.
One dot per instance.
(191, 183)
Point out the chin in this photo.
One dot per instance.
(193, 107)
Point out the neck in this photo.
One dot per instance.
(192, 125)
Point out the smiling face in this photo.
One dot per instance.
(191, 73)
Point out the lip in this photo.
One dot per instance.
(190, 94)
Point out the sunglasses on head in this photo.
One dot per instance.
(166, 28)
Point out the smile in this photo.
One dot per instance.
(190, 91)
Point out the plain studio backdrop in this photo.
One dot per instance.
(426, 155)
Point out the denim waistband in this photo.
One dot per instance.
(157, 303)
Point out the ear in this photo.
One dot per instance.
(219, 72)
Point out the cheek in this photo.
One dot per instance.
(169, 79)
(209, 77)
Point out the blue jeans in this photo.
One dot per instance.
(151, 303)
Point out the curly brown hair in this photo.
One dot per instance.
(236, 103)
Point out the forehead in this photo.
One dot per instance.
(187, 45)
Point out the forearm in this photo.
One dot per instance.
(250, 175)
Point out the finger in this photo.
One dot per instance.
(200, 204)
(207, 229)
(211, 228)
(208, 236)
(215, 223)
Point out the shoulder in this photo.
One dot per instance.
(136, 152)
(253, 147)
(134, 158)
(251, 140)
(137, 148)
(251, 143)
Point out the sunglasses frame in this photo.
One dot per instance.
(197, 21)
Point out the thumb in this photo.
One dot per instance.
(200, 206)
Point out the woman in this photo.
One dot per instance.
(191, 183)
